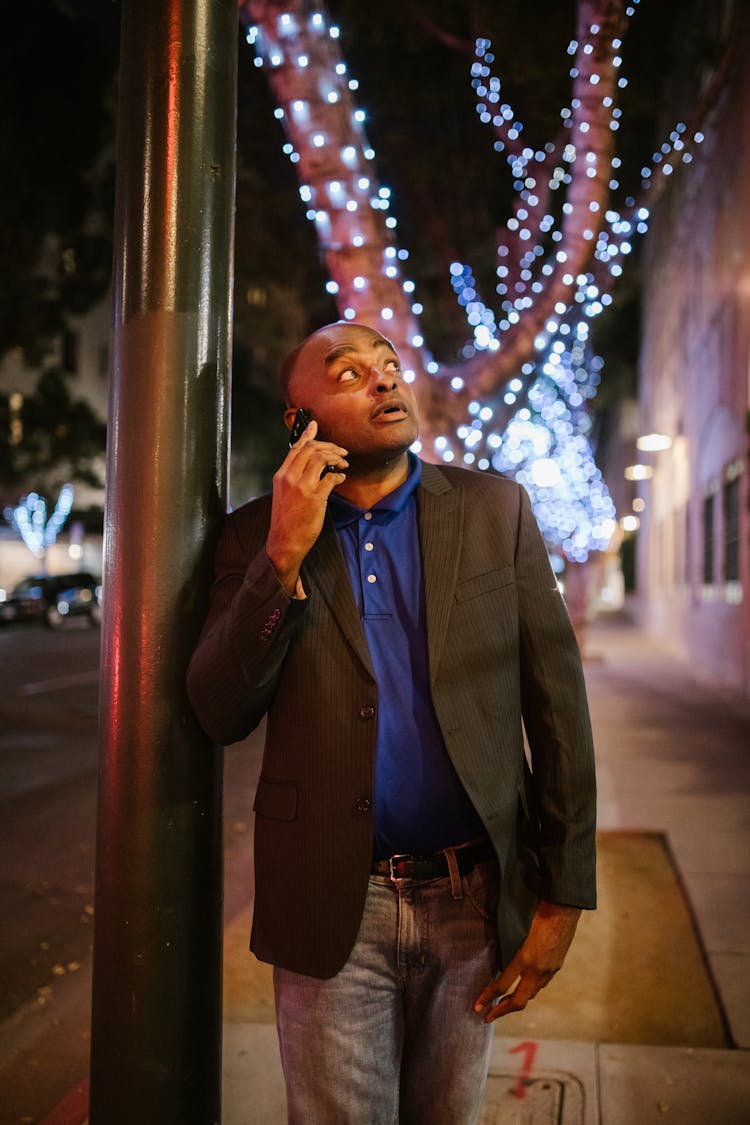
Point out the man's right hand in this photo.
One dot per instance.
(300, 497)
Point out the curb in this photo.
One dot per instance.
(73, 1109)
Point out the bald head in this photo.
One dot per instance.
(320, 346)
(348, 378)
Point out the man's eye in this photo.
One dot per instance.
(347, 375)
(393, 364)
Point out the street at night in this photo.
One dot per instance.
(48, 744)
(374, 398)
(49, 708)
(672, 760)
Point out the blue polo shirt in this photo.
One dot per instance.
(420, 803)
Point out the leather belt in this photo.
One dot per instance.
(434, 866)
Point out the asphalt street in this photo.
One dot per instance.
(48, 710)
(48, 756)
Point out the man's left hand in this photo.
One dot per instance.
(535, 963)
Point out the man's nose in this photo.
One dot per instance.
(381, 380)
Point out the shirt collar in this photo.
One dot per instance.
(344, 512)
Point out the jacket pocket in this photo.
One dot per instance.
(481, 583)
(276, 799)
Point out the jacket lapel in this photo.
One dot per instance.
(440, 509)
(326, 570)
(440, 515)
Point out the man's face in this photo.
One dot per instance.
(349, 378)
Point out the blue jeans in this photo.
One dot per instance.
(393, 1037)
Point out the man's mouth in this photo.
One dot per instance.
(390, 411)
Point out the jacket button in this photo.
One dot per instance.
(362, 804)
(367, 712)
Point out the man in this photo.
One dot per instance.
(398, 623)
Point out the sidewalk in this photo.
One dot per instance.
(673, 758)
(673, 755)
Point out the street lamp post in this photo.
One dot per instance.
(156, 1027)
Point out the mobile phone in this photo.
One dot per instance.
(301, 421)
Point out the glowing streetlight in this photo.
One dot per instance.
(654, 443)
(638, 472)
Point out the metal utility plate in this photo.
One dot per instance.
(549, 1098)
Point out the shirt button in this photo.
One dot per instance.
(367, 516)
(369, 546)
(367, 712)
(371, 578)
(362, 804)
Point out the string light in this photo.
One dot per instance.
(30, 518)
(545, 444)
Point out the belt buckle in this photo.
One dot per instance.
(394, 859)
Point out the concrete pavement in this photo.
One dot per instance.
(673, 754)
(674, 758)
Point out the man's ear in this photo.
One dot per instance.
(289, 414)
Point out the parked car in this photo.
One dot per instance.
(53, 598)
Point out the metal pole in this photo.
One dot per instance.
(156, 1026)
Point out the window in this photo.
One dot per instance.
(70, 350)
(732, 530)
(679, 546)
(708, 540)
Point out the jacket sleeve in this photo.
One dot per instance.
(251, 621)
(558, 729)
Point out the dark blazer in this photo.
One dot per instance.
(501, 650)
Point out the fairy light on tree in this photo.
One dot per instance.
(29, 517)
(517, 399)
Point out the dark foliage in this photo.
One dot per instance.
(56, 152)
(61, 436)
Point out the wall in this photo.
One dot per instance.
(693, 558)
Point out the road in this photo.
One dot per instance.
(48, 758)
(48, 720)
(672, 760)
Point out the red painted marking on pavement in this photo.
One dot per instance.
(73, 1109)
(529, 1050)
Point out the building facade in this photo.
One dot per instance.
(83, 353)
(693, 548)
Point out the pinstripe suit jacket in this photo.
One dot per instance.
(502, 654)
